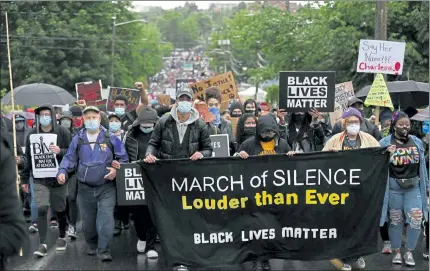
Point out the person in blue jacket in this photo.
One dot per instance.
(92, 152)
(405, 198)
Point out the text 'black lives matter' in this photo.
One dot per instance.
(302, 91)
(130, 188)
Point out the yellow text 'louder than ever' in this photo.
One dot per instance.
(312, 197)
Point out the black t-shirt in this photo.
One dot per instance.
(349, 144)
(405, 161)
(142, 141)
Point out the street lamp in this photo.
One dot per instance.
(113, 42)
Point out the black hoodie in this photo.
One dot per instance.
(136, 141)
(252, 146)
(64, 138)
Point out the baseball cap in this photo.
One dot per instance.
(90, 108)
(185, 91)
(354, 100)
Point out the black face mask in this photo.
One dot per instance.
(267, 139)
(299, 118)
(236, 115)
(249, 131)
(401, 133)
(249, 111)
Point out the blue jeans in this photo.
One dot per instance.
(33, 205)
(404, 203)
(97, 205)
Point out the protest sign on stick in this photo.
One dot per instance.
(224, 82)
(343, 92)
(89, 91)
(302, 91)
(381, 56)
(133, 96)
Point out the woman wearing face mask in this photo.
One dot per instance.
(352, 138)
(219, 126)
(66, 121)
(246, 128)
(136, 142)
(405, 196)
(305, 132)
(236, 110)
(250, 107)
(115, 126)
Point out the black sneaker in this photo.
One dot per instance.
(105, 257)
(33, 228)
(41, 251)
(61, 244)
(91, 252)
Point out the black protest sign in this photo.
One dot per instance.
(267, 207)
(129, 185)
(302, 91)
(220, 146)
(183, 83)
(132, 95)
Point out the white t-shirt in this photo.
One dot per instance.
(92, 138)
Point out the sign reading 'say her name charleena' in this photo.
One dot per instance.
(268, 206)
(44, 162)
(302, 91)
(129, 185)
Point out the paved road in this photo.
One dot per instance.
(125, 257)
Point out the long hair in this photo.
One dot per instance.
(240, 129)
(396, 116)
(249, 101)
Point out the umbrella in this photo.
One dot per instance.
(423, 115)
(39, 93)
(404, 93)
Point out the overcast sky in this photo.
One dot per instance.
(173, 4)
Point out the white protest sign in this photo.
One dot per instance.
(43, 161)
(171, 92)
(343, 92)
(220, 145)
(380, 56)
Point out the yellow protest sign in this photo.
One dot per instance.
(224, 82)
(378, 94)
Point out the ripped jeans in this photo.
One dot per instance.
(404, 203)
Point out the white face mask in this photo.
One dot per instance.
(353, 129)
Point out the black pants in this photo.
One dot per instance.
(145, 228)
(121, 214)
(427, 233)
(384, 232)
(72, 205)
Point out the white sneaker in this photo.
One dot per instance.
(360, 263)
(141, 246)
(397, 259)
(387, 248)
(152, 254)
(346, 267)
(409, 259)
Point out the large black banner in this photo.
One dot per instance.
(308, 207)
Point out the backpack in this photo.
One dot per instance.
(106, 141)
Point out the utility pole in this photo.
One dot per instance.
(112, 55)
(380, 34)
(287, 5)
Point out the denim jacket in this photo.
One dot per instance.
(386, 142)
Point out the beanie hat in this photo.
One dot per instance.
(148, 115)
(352, 112)
(66, 114)
(76, 111)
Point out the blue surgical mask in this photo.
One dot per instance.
(185, 107)
(45, 120)
(426, 127)
(92, 125)
(215, 111)
(120, 111)
(146, 130)
(114, 126)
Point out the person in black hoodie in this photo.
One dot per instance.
(12, 223)
(246, 128)
(47, 191)
(236, 110)
(251, 107)
(136, 143)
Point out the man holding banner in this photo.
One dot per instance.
(182, 134)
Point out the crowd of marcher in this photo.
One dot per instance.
(92, 145)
